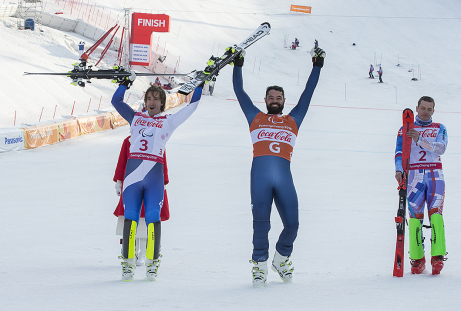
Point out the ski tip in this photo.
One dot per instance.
(267, 24)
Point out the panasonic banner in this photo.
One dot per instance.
(142, 26)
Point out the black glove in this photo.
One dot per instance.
(238, 61)
(318, 56)
(126, 81)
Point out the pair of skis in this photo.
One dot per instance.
(408, 121)
(81, 72)
(215, 64)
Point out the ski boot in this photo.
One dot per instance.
(283, 266)
(418, 265)
(152, 268)
(437, 264)
(259, 272)
(128, 268)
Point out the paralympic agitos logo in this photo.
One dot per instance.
(141, 131)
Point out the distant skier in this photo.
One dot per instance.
(316, 44)
(297, 42)
(371, 71)
(380, 74)
(274, 136)
(144, 178)
(426, 185)
(141, 233)
(157, 82)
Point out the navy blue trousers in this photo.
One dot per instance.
(271, 181)
(144, 181)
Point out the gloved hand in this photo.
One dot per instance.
(318, 55)
(238, 61)
(128, 81)
(118, 187)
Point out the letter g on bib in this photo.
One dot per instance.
(274, 147)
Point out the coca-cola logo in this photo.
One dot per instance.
(428, 133)
(281, 135)
(150, 123)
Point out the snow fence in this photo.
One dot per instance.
(68, 127)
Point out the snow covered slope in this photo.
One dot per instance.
(58, 233)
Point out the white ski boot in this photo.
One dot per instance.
(259, 273)
(283, 266)
(128, 268)
(152, 268)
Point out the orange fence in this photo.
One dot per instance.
(54, 132)
(300, 8)
(68, 129)
(40, 135)
(95, 123)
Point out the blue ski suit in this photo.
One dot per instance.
(271, 178)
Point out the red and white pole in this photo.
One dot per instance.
(41, 114)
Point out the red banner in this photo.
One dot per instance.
(142, 26)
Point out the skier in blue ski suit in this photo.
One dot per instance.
(273, 136)
(426, 185)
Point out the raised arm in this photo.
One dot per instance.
(248, 108)
(299, 111)
(117, 101)
(182, 115)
